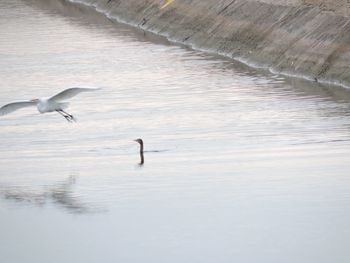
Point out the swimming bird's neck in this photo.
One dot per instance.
(142, 158)
(141, 148)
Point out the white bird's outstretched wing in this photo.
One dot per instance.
(8, 108)
(69, 93)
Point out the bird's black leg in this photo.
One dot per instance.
(67, 117)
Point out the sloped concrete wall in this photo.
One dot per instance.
(303, 38)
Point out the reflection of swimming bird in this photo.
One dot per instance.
(141, 150)
(55, 103)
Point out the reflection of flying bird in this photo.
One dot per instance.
(62, 195)
(55, 103)
(167, 2)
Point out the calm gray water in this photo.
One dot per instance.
(251, 167)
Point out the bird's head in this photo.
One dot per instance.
(139, 141)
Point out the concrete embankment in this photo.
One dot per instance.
(303, 38)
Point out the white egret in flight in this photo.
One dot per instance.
(55, 103)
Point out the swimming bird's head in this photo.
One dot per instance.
(139, 141)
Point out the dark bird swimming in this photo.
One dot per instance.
(140, 141)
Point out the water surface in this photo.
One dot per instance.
(252, 167)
